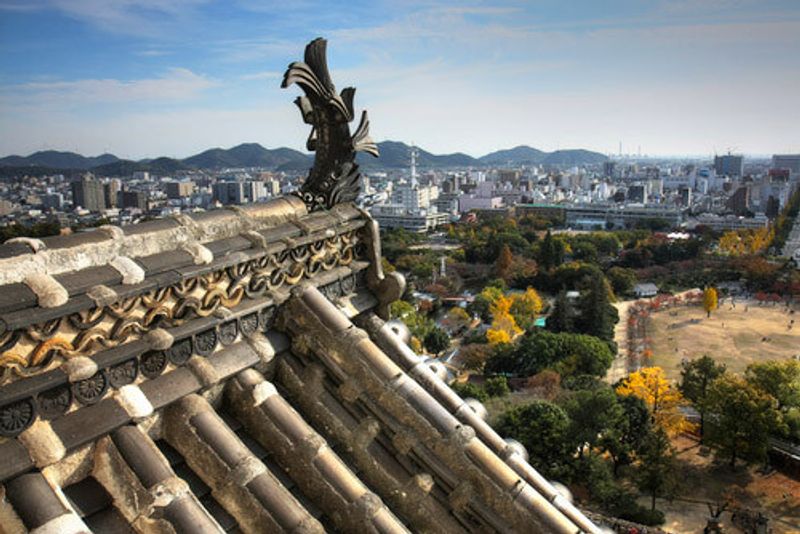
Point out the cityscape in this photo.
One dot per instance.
(590, 192)
(540, 274)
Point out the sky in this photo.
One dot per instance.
(174, 77)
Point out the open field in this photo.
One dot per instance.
(734, 336)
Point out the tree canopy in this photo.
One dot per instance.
(663, 400)
(568, 354)
(544, 429)
(743, 419)
(696, 377)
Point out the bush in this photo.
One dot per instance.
(497, 386)
(645, 516)
(467, 390)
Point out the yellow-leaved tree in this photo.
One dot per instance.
(710, 302)
(663, 400)
(525, 307)
(504, 327)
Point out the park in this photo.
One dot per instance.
(737, 334)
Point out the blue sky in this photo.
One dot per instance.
(173, 77)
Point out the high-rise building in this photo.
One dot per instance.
(637, 193)
(787, 161)
(274, 186)
(229, 192)
(176, 190)
(110, 190)
(729, 165)
(608, 168)
(52, 201)
(739, 202)
(88, 193)
(254, 191)
(685, 195)
(132, 200)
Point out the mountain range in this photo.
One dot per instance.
(394, 155)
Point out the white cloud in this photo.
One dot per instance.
(264, 75)
(177, 84)
(139, 17)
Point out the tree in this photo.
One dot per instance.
(567, 354)
(437, 340)
(551, 252)
(780, 379)
(504, 327)
(525, 307)
(592, 413)
(473, 356)
(562, 318)
(663, 400)
(621, 279)
(503, 264)
(597, 315)
(743, 418)
(696, 376)
(458, 318)
(480, 306)
(468, 390)
(624, 439)
(497, 386)
(543, 428)
(657, 467)
(709, 300)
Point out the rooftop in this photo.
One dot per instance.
(234, 371)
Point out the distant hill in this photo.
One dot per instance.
(574, 157)
(248, 155)
(126, 167)
(520, 155)
(393, 155)
(57, 160)
(396, 155)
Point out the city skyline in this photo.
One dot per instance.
(175, 77)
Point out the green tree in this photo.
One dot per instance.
(551, 252)
(656, 473)
(696, 377)
(562, 318)
(481, 306)
(597, 315)
(584, 251)
(567, 354)
(593, 413)
(497, 386)
(468, 390)
(544, 429)
(621, 279)
(624, 440)
(744, 417)
(436, 340)
(780, 379)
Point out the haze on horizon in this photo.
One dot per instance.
(175, 77)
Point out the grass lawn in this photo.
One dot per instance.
(735, 337)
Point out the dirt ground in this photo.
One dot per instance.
(702, 479)
(733, 336)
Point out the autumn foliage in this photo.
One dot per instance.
(663, 400)
(504, 326)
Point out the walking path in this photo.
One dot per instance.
(619, 367)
